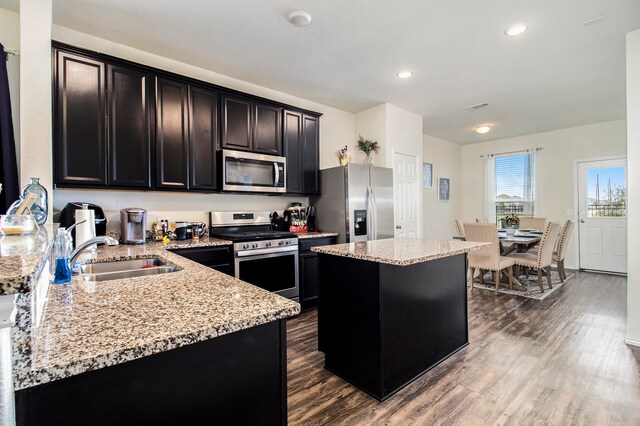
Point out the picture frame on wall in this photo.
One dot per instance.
(427, 175)
(444, 189)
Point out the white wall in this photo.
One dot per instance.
(633, 170)
(10, 38)
(438, 216)
(371, 124)
(554, 168)
(35, 93)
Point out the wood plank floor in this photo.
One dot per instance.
(559, 361)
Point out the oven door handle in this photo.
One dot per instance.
(276, 251)
(276, 174)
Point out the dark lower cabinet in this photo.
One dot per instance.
(234, 379)
(218, 258)
(301, 148)
(130, 110)
(172, 139)
(203, 138)
(79, 121)
(308, 269)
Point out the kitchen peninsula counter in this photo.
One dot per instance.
(188, 335)
(390, 310)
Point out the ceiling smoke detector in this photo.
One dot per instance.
(476, 107)
(299, 18)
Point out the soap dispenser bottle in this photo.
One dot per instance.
(62, 249)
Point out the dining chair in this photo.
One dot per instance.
(460, 228)
(487, 258)
(542, 260)
(533, 222)
(561, 248)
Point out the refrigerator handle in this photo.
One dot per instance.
(371, 207)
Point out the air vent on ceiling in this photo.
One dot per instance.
(475, 107)
(593, 20)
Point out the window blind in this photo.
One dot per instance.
(515, 178)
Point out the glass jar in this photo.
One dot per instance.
(39, 209)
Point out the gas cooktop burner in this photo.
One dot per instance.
(254, 235)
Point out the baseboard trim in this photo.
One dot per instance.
(632, 342)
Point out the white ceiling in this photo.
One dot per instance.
(559, 74)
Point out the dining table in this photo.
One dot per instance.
(520, 241)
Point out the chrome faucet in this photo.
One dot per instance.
(101, 239)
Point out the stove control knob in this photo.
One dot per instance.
(287, 242)
(245, 246)
(268, 244)
(254, 245)
(280, 243)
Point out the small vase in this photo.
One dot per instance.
(39, 209)
(368, 160)
(344, 160)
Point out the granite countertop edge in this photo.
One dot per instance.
(344, 250)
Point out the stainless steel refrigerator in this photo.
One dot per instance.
(357, 202)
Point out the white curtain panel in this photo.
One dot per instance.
(489, 210)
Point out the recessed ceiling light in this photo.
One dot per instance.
(404, 74)
(516, 29)
(482, 130)
(299, 18)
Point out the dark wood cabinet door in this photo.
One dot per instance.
(171, 134)
(79, 121)
(130, 126)
(267, 129)
(310, 155)
(236, 123)
(292, 143)
(308, 279)
(203, 138)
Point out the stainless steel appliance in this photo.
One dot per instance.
(249, 172)
(357, 202)
(262, 257)
(133, 225)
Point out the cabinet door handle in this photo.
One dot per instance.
(398, 226)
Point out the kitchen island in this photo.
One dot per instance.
(194, 346)
(390, 310)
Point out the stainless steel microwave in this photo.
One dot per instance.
(250, 172)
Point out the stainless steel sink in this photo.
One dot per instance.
(124, 269)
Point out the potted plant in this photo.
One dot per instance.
(511, 221)
(367, 146)
(344, 156)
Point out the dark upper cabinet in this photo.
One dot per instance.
(267, 129)
(79, 121)
(251, 126)
(292, 141)
(129, 100)
(300, 146)
(203, 137)
(236, 123)
(310, 153)
(172, 139)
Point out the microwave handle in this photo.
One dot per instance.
(276, 173)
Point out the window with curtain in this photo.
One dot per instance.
(514, 186)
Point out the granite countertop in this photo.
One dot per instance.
(86, 326)
(21, 258)
(400, 251)
(195, 243)
(310, 235)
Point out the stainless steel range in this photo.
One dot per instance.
(262, 257)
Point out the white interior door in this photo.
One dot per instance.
(405, 178)
(602, 227)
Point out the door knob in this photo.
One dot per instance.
(398, 227)
(581, 220)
